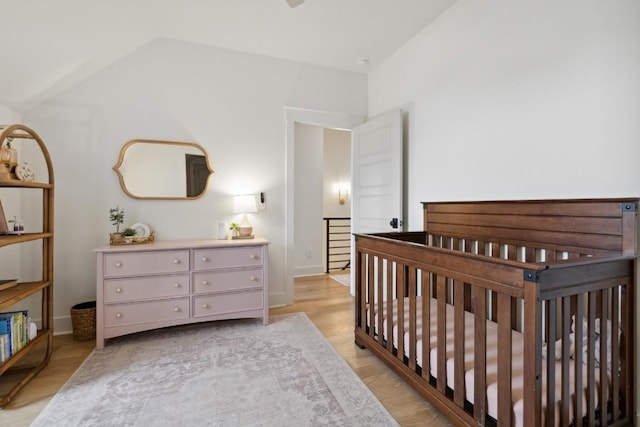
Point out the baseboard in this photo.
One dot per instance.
(312, 270)
(62, 325)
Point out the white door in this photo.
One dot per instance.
(376, 179)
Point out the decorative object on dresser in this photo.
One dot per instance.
(27, 345)
(244, 204)
(235, 373)
(223, 232)
(168, 283)
(138, 233)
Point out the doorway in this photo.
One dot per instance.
(319, 119)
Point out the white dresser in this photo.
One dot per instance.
(167, 283)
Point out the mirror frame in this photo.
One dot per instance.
(123, 150)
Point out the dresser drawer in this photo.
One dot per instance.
(140, 263)
(247, 256)
(211, 281)
(141, 288)
(209, 305)
(146, 312)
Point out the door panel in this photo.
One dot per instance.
(377, 177)
(377, 186)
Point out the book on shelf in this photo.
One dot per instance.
(6, 284)
(15, 325)
(4, 347)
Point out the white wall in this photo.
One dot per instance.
(519, 100)
(515, 100)
(231, 103)
(8, 116)
(308, 201)
(337, 171)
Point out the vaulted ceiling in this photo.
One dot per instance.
(47, 46)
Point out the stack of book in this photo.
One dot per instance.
(14, 333)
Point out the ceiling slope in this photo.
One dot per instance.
(47, 46)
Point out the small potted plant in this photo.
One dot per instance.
(116, 215)
(235, 228)
(129, 234)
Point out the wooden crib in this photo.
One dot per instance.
(494, 301)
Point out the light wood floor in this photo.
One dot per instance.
(329, 306)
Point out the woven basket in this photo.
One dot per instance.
(83, 321)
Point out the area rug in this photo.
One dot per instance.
(228, 373)
(344, 279)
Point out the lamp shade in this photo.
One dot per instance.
(245, 204)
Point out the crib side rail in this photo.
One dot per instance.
(515, 296)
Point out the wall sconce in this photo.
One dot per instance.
(343, 195)
(245, 204)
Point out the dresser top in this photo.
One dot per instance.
(183, 244)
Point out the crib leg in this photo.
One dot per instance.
(360, 346)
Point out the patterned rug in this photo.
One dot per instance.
(228, 373)
(343, 278)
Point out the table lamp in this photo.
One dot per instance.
(245, 204)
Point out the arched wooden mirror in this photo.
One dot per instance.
(165, 170)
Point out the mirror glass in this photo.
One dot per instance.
(150, 169)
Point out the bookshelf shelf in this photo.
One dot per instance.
(24, 364)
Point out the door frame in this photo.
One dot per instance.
(324, 119)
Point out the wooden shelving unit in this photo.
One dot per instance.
(16, 372)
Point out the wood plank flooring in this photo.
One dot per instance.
(329, 306)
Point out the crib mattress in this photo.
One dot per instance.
(491, 359)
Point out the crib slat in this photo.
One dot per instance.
(603, 356)
(504, 360)
(400, 282)
(532, 360)
(426, 324)
(370, 294)
(591, 342)
(459, 343)
(551, 366)
(390, 306)
(566, 354)
(412, 318)
(615, 353)
(627, 344)
(480, 354)
(380, 299)
(578, 334)
(442, 333)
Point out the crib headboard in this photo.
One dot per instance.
(580, 226)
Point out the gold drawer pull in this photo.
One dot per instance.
(204, 282)
(118, 290)
(118, 315)
(176, 309)
(176, 261)
(254, 278)
(253, 256)
(205, 259)
(118, 264)
(176, 285)
(205, 305)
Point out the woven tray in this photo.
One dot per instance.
(118, 240)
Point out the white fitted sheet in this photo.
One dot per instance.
(492, 358)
